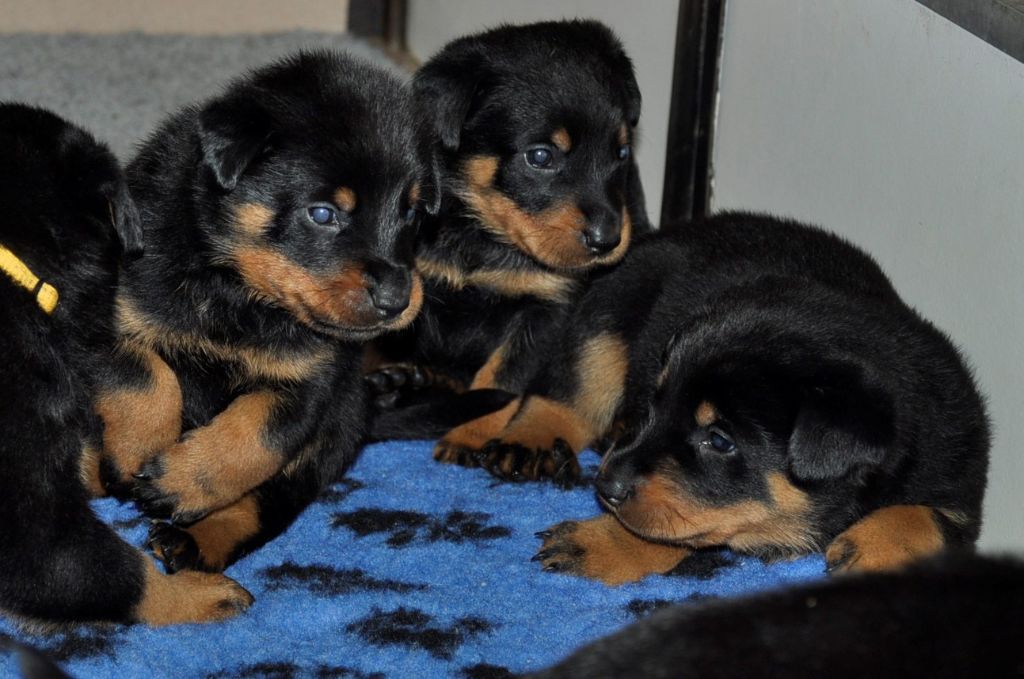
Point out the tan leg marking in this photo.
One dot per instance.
(189, 596)
(216, 465)
(601, 374)
(887, 538)
(601, 549)
(458, 444)
(139, 423)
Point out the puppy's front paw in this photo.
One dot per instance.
(388, 383)
(163, 491)
(560, 552)
(514, 462)
(886, 539)
(601, 549)
(175, 548)
(453, 452)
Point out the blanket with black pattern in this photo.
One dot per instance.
(408, 568)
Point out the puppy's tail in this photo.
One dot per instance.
(432, 414)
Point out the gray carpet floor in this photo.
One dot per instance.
(120, 86)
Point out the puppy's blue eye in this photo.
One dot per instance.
(322, 215)
(720, 442)
(539, 157)
(410, 215)
(624, 152)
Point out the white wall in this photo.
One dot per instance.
(899, 130)
(647, 28)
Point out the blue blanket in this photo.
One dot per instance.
(408, 568)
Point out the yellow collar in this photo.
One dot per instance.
(45, 294)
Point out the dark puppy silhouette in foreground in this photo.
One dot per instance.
(68, 220)
(957, 616)
(778, 398)
(535, 125)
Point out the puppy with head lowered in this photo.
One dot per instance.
(536, 125)
(280, 218)
(777, 397)
(68, 221)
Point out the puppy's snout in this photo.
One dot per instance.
(389, 287)
(614, 489)
(603, 233)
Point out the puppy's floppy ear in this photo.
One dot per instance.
(124, 215)
(446, 88)
(839, 428)
(232, 132)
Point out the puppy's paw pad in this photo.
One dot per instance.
(174, 547)
(560, 552)
(449, 452)
(514, 462)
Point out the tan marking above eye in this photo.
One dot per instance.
(253, 218)
(623, 135)
(414, 194)
(705, 414)
(345, 198)
(561, 139)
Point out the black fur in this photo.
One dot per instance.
(69, 218)
(236, 262)
(955, 617)
(492, 97)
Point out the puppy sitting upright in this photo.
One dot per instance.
(67, 220)
(536, 125)
(800, 406)
(280, 219)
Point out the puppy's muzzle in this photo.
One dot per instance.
(389, 287)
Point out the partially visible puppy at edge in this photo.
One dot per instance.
(951, 617)
(777, 397)
(536, 126)
(68, 220)
(280, 219)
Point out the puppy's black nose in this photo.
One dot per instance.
(603, 236)
(613, 490)
(389, 287)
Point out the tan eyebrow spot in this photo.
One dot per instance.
(561, 139)
(414, 194)
(623, 135)
(253, 218)
(345, 198)
(706, 414)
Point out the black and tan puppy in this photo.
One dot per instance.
(800, 406)
(67, 221)
(280, 219)
(536, 126)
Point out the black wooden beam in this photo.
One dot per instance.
(691, 117)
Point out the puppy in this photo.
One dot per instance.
(280, 219)
(68, 219)
(778, 398)
(536, 126)
(951, 617)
